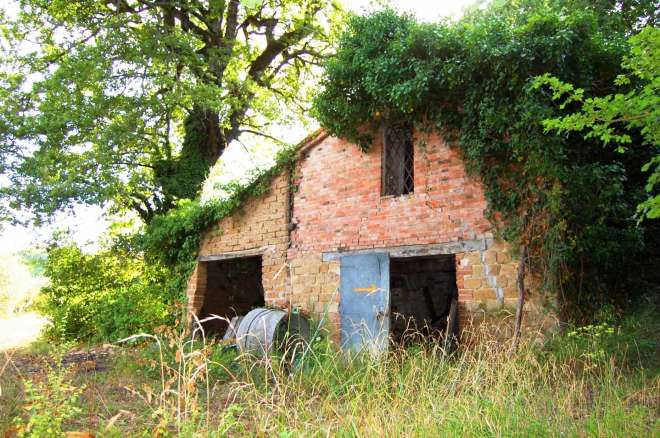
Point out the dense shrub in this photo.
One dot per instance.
(103, 296)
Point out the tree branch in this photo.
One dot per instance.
(181, 14)
(141, 205)
(274, 48)
(261, 134)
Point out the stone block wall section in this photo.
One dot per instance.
(338, 206)
(486, 280)
(315, 288)
(261, 225)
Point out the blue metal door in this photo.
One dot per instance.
(365, 301)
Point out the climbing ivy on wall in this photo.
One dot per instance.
(571, 201)
(173, 239)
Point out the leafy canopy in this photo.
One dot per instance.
(614, 117)
(130, 102)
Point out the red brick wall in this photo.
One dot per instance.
(339, 205)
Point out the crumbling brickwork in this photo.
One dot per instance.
(260, 224)
(337, 206)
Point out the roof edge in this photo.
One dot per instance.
(311, 140)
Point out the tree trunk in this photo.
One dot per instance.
(214, 143)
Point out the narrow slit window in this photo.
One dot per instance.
(398, 159)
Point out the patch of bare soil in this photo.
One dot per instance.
(93, 359)
(103, 375)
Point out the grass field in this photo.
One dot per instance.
(599, 380)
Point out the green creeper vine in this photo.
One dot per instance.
(568, 199)
(182, 177)
(173, 239)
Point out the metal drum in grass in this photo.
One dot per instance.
(265, 331)
(230, 334)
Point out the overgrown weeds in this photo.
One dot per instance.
(595, 381)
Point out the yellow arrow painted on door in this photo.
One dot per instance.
(371, 289)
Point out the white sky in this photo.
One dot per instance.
(425, 10)
(89, 223)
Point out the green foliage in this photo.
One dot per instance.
(98, 96)
(561, 195)
(173, 239)
(616, 118)
(103, 296)
(35, 260)
(134, 285)
(48, 405)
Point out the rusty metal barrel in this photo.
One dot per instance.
(265, 331)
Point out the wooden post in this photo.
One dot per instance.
(521, 297)
(451, 336)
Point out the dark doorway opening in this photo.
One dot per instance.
(233, 287)
(421, 293)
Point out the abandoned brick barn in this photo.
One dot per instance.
(369, 241)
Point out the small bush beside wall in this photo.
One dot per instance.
(103, 296)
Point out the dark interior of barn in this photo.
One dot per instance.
(421, 293)
(233, 287)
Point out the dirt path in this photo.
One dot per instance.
(20, 330)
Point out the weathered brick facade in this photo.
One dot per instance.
(260, 225)
(337, 207)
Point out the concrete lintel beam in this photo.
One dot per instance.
(417, 250)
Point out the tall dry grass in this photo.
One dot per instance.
(575, 385)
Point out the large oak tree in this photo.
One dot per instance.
(129, 102)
